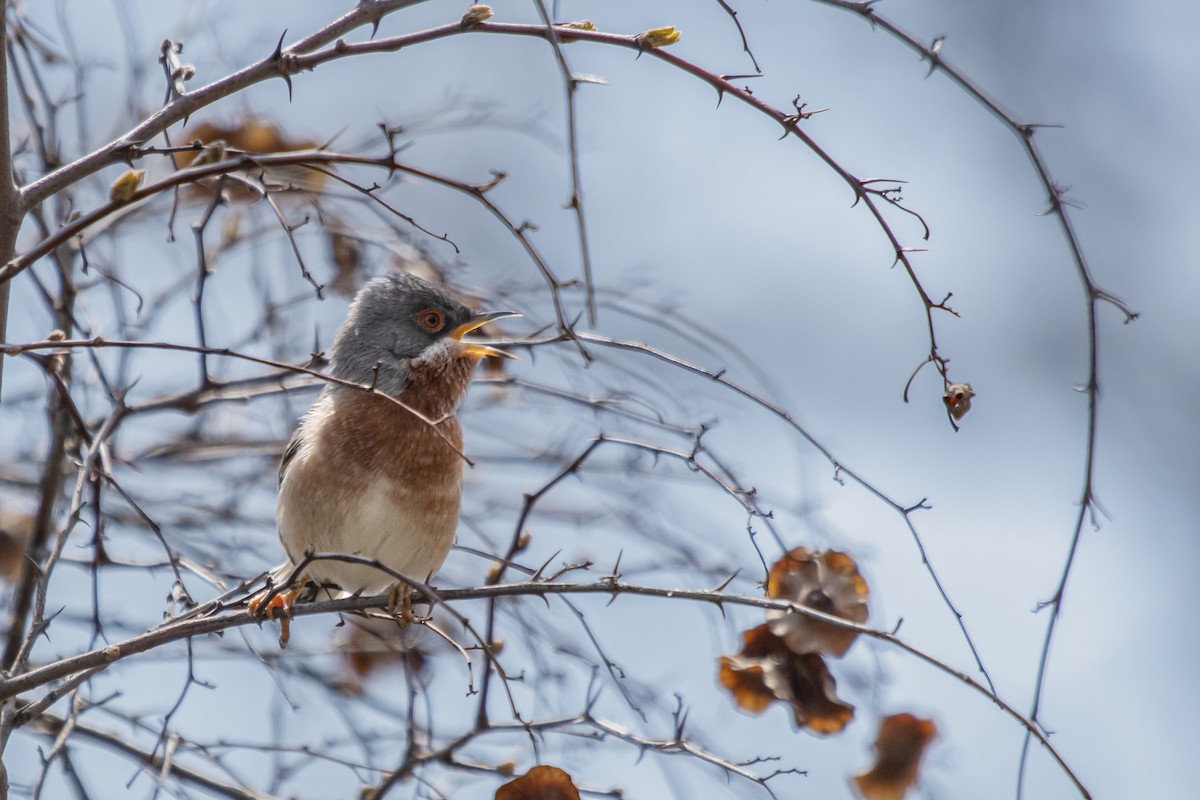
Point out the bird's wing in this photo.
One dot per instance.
(289, 452)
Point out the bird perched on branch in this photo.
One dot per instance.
(375, 469)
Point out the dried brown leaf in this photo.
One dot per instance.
(346, 254)
(251, 134)
(747, 682)
(540, 783)
(15, 530)
(371, 645)
(829, 582)
(766, 670)
(899, 746)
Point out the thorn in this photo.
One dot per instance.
(277, 57)
(726, 582)
(278, 54)
(537, 575)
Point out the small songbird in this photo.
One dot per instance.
(363, 474)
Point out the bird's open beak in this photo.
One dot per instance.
(478, 320)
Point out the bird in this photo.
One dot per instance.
(375, 466)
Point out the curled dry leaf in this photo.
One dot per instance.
(767, 670)
(346, 253)
(827, 582)
(251, 134)
(958, 399)
(15, 530)
(899, 747)
(540, 783)
(375, 644)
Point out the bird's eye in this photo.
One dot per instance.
(431, 319)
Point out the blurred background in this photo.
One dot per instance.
(715, 241)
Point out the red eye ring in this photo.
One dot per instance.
(431, 319)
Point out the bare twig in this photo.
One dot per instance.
(176, 630)
(1093, 295)
(11, 207)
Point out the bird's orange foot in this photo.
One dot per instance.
(280, 606)
(400, 604)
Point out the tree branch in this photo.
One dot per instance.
(222, 617)
(11, 207)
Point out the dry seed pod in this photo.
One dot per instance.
(958, 399)
(827, 581)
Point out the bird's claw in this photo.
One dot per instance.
(400, 604)
(281, 606)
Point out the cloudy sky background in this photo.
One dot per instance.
(702, 209)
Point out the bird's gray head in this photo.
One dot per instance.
(395, 318)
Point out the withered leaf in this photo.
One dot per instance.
(251, 134)
(767, 670)
(347, 260)
(15, 530)
(958, 399)
(899, 746)
(372, 645)
(540, 783)
(828, 581)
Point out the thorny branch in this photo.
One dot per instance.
(95, 459)
(213, 618)
(1093, 296)
(11, 206)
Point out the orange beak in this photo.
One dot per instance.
(478, 321)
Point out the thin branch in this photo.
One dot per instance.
(228, 618)
(52, 725)
(733, 15)
(98, 342)
(575, 203)
(12, 210)
(180, 108)
(1093, 296)
(839, 467)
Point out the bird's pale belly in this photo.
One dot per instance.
(388, 520)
